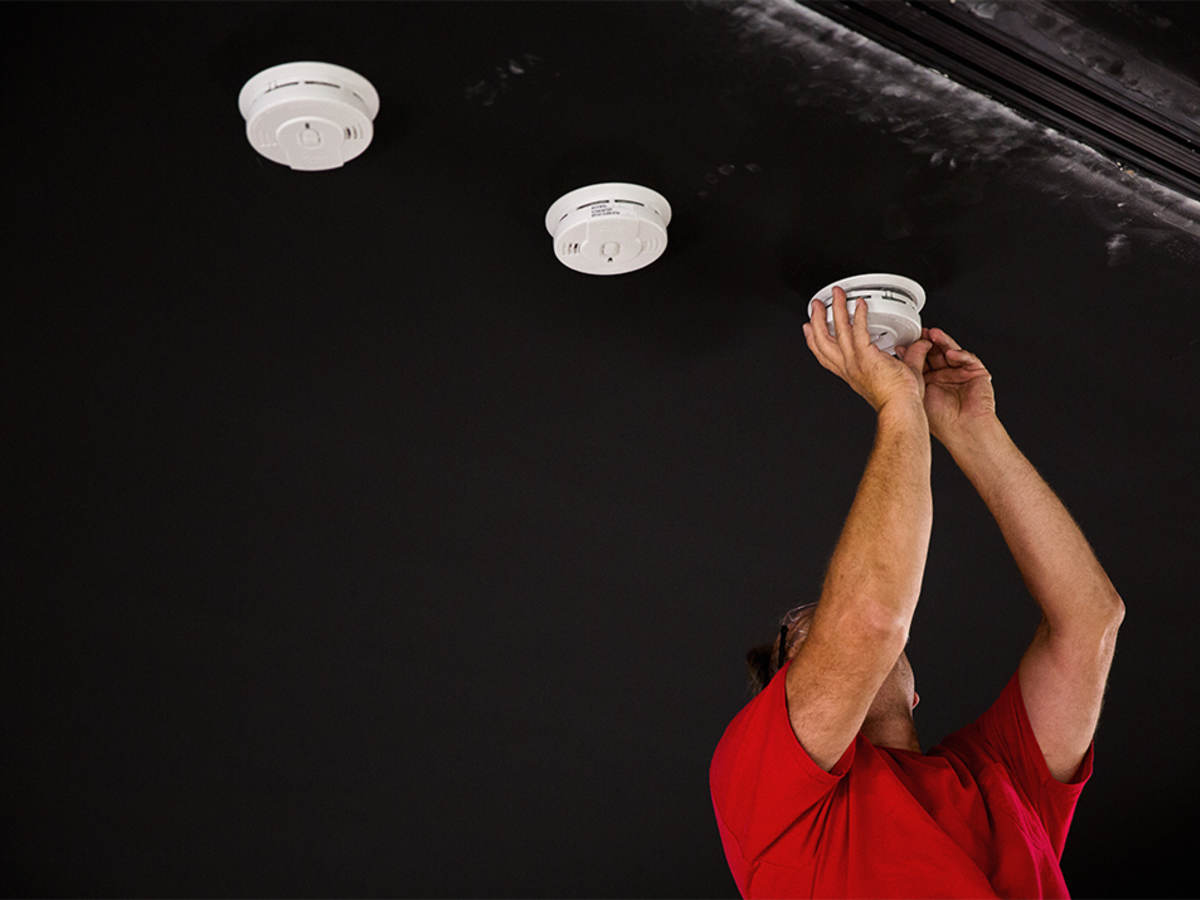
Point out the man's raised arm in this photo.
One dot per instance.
(874, 578)
(1064, 671)
(1057, 563)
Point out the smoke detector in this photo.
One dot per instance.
(893, 303)
(609, 228)
(309, 115)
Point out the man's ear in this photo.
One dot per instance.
(916, 699)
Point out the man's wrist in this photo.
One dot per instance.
(978, 439)
(903, 409)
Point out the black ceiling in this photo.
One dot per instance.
(359, 547)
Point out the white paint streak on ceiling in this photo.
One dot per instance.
(951, 124)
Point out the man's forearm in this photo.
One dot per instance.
(877, 567)
(1057, 563)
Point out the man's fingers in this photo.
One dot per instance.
(963, 358)
(862, 334)
(811, 339)
(808, 337)
(942, 342)
(951, 375)
(941, 339)
(841, 323)
(820, 331)
(914, 355)
(816, 313)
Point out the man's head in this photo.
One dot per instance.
(897, 691)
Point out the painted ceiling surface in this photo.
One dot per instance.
(361, 548)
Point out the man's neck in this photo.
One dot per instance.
(897, 732)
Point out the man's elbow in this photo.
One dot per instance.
(1112, 624)
(1097, 622)
(1111, 614)
(1118, 610)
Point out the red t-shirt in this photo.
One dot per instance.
(979, 815)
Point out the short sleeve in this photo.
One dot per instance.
(762, 779)
(1008, 736)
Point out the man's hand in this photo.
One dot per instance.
(958, 388)
(850, 355)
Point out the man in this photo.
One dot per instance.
(819, 784)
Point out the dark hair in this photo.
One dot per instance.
(764, 661)
(760, 661)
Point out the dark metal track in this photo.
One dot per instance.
(982, 57)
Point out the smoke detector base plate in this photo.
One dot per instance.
(609, 228)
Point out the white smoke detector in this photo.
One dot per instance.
(893, 303)
(609, 228)
(309, 115)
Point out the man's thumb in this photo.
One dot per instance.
(914, 354)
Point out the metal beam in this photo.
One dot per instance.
(983, 58)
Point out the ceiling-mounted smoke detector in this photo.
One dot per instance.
(309, 115)
(609, 228)
(893, 303)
